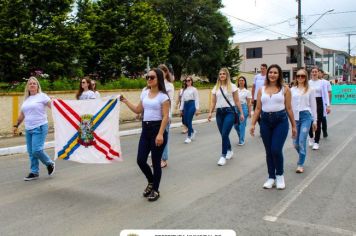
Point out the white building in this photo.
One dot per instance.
(280, 51)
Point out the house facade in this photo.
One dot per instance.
(280, 51)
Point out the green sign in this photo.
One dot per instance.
(343, 94)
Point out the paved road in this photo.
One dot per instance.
(195, 193)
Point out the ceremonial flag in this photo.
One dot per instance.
(87, 131)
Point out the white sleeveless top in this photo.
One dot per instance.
(272, 103)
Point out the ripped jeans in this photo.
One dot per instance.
(300, 142)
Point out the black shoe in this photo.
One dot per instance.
(31, 176)
(153, 196)
(148, 190)
(325, 135)
(51, 168)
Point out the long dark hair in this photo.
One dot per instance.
(238, 80)
(80, 91)
(160, 80)
(280, 81)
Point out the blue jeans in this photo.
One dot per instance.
(35, 139)
(300, 142)
(274, 130)
(240, 129)
(166, 149)
(225, 120)
(189, 111)
(146, 145)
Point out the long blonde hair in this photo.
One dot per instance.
(27, 92)
(228, 80)
(306, 81)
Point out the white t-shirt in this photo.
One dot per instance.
(328, 85)
(317, 86)
(34, 109)
(244, 94)
(220, 100)
(152, 106)
(190, 93)
(97, 94)
(170, 90)
(87, 95)
(258, 81)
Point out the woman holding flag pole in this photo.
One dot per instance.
(154, 104)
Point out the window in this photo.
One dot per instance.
(253, 53)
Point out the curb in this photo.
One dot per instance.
(23, 149)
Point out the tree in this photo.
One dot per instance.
(38, 34)
(200, 35)
(125, 33)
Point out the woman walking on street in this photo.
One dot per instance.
(245, 97)
(224, 95)
(170, 91)
(154, 105)
(179, 102)
(85, 90)
(304, 111)
(274, 106)
(322, 106)
(189, 106)
(33, 112)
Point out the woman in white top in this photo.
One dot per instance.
(170, 91)
(33, 111)
(85, 90)
(154, 105)
(189, 106)
(93, 86)
(245, 97)
(322, 105)
(304, 111)
(225, 113)
(274, 107)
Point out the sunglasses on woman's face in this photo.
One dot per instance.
(188, 80)
(150, 77)
(84, 82)
(301, 76)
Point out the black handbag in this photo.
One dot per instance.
(237, 119)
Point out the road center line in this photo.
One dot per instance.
(282, 206)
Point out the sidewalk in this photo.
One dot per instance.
(17, 144)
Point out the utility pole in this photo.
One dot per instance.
(300, 37)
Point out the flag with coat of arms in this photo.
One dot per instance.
(87, 131)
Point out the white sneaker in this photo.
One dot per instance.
(270, 183)
(193, 135)
(316, 146)
(311, 142)
(229, 155)
(222, 161)
(241, 143)
(187, 140)
(280, 182)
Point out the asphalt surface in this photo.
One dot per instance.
(82, 199)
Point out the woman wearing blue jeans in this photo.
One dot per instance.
(33, 112)
(304, 110)
(189, 106)
(274, 107)
(225, 113)
(154, 105)
(245, 97)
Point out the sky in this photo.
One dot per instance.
(278, 19)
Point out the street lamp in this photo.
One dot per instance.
(300, 33)
(318, 19)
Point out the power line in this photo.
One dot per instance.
(259, 26)
(333, 13)
(255, 28)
